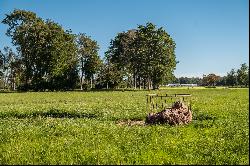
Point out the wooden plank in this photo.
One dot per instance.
(174, 95)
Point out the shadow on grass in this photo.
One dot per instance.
(78, 90)
(203, 120)
(53, 113)
(127, 118)
(5, 91)
(110, 90)
(202, 117)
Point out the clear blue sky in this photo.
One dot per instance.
(212, 36)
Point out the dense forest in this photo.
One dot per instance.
(51, 58)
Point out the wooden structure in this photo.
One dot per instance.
(157, 102)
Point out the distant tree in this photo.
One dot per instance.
(243, 75)
(231, 78)
(221, 81)
(210, 79)
(90, 62)
(184, 80)
(188, 80)
(196, 80)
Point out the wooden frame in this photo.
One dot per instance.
(155, 101)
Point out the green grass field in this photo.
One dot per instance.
(81, 128)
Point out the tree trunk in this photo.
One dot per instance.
(144, 83)
(4, 82)
(107, 85)
(81, 74)
(81, 81)
(14, 83)
(140, 83)
(134, 81)
(91, 83)
(149, 81)
(5, 78)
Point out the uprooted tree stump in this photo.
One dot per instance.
(177, 115)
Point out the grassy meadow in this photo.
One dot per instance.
(81, 128)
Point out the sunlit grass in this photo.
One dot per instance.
(80, 128)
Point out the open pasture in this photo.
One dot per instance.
(81, 128)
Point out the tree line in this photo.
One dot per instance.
(235, 77)
(51, 58)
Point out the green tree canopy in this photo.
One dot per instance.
(243, 75)
(147, 53)
(210, 79)
(90, 62)
(48, 53)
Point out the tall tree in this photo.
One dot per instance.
(121, 54)
(146, 53)
(231, 78)
(243, 75)
(48, 53)
(90, 62)
(189, 80)
(21, 30)
(62, 63)
(158, 51)
(10, 68)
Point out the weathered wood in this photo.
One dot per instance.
(157, 101)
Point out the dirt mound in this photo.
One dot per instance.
(178, 114)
